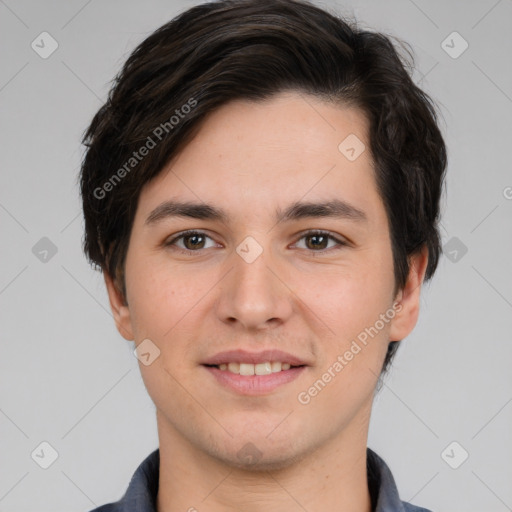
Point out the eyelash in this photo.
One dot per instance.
(314, 232)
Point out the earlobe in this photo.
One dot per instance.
(119, 307)
(409, 297)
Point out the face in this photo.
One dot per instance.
(259, 281)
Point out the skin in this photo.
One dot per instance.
(301, 295)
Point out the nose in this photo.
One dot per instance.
(254, 294)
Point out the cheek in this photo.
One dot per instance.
(353, 351)
(159, 296)
(350, 305)
(348, 298)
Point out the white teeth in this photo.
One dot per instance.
(262, 369)
(234, 367)
(276, 367)
(265, 368)
(246, 369)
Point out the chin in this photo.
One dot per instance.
(273, 462)
(262, 456)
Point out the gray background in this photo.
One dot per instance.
(68, 378)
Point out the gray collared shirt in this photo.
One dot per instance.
(143, 488)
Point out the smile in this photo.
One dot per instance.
(247, 381)
(254, 369)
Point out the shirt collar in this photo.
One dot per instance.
(143, 488)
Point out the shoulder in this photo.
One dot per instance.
(412, 508)
(383, 489)
(142, 489)
(109, 507)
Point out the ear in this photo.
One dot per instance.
(119, 307)
(409, 297)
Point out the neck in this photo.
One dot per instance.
(333, 477)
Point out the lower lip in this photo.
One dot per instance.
(254, 384)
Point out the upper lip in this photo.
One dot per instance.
(243, 356)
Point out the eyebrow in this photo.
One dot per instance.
(335, 208)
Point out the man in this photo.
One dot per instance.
(261, 191)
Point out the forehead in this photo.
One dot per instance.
(292, 124)
(261, 156)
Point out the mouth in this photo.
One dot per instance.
(247, 369)
(251, 373)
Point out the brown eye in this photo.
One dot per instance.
(192, 241)
(317, 241)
